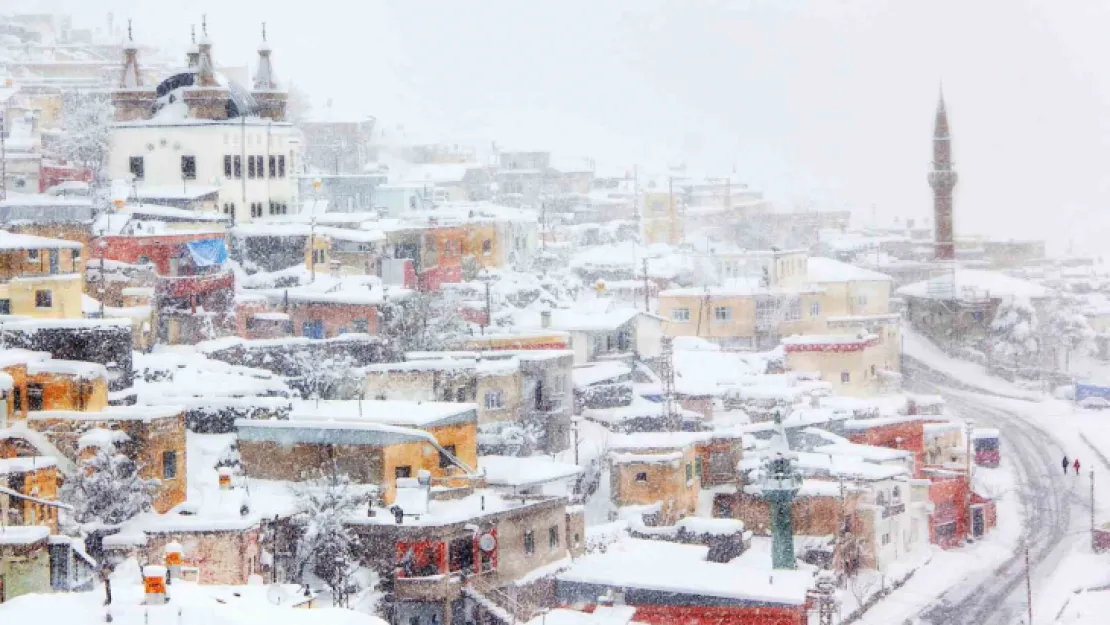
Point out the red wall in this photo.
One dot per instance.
(50, 175)
(949, 497)
(912, 435)
(159, 249)
(719, 615)
(431, 279)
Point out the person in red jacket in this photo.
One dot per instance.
(1076, 465)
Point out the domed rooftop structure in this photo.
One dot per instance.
(238, 102)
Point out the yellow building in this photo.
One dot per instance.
(658, 481)
(661, 217)
(373, 442)
(40, 382)
(774, 294)
(40, 277)
(855, 365)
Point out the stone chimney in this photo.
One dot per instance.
(131, 99)
(271, 99)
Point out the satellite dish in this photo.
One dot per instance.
(277, 595)
(487, 543)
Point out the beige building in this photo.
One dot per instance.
(494, 385)
(855, 365)
(654, 479)
(768, 295)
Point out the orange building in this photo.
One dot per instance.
(40, 382)
(28, 488)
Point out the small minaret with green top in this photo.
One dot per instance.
(780, 484)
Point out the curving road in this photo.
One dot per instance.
(1044, 494)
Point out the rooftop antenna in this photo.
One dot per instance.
(204, 24)
(129, 29)
(193, 32)
(263, 31)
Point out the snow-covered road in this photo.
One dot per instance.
(1051, 506)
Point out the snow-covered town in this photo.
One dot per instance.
(265, 361)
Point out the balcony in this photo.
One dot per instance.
(172, 287)
(893, 510)
(431, 588)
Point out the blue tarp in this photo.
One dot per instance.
(1083, 391)
(208, 253)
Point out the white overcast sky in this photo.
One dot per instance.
(828, 100)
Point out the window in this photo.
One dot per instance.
(227, 165)
(680, 314)
(5, 306)
(896, 495)
(886, 539)
(250, 167)
(44, 299)
(238, 166)
(169, 465)
(794, 310)
(699, 469)
(260, 165)
(189, 167)
(862, 299)
(872, 370)
(273, 167)
(137, 167)
(361, 326)
(689, 471)
(33, 256)
(529, 542)
(281, 166)
(880, 498)
(641, 477)
(402, 471)
(845, 377)
(815, 309)
(487, 247)
(445, 460)
(460, 394)
(722, 313)
(34, 397)
(76, 257)
(553, 537)
(493, 400)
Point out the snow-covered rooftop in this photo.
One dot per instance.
(10, 466)
(111, 413)
(821, 270)
(77, 368)
(960, 283)
(683, 569)
(21, 535)
(525, 471)
(392, 412)
(14, 242)
(597, 372)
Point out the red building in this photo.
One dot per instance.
(55, 174)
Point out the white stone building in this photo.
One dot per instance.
(198, 133)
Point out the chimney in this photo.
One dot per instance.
(154, 583)
(225, 478)
(173, 561)
(545, 319)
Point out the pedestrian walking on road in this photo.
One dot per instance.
(1076, 465)
(1065, 465)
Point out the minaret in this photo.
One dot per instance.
(206, 68)
(206, 99)
(943, 180)
(131, 99)
(131, 78)
(192, 55)
(780, 484)
(271, 99)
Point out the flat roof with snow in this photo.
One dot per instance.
(525, 471)
(676, 569)
(112, 413)
(973, 284)
(14, 242)
(391, 412)
(820, 269)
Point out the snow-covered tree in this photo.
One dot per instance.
(328, 550)
(86, 126)
(426, 321)
(330, 377)
(1015, 332)
(107, 489)
(1069, 331)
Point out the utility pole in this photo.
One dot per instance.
(967, 496)
(1092, 509)
(489, 305)
(666, 372)
(647, 289)
(1028, 585)
(3, 158)
(100, 290)
(312, 243)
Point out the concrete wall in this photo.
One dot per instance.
(862, 367)
(666, 484)
(223, 557)
(296, 463)
(25, 569)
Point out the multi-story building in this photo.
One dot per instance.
(775, 294)
(335, 145)
(197, 133)
(40, 277)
